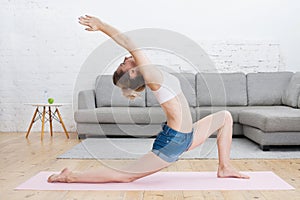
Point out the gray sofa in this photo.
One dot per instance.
(265, 106)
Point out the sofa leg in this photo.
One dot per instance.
(81, 136)
(264, 147)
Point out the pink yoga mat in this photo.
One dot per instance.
(169, 181)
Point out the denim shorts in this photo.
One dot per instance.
(170, 144)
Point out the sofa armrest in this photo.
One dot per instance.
(86, 99)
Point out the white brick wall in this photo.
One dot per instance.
(245, 56)
(42, 48)
(228, 56)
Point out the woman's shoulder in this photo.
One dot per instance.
(153, 76)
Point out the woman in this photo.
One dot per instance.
(178, 133)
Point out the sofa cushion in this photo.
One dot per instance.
(187, 82)
(221, 89)
(124, 115)
(291, 94)
(135, 130)
(107, 94)
(86, 116)
(277, 118)
(266, 88)
(204, 111)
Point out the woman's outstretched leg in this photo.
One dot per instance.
(146, 165)
(221, 122)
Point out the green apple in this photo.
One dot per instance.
(50, 100)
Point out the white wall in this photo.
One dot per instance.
(42, 47)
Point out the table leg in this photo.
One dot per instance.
(62, 123)
(50, 119)
(32, 121)
(43, 122)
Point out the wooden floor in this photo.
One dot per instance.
(22, 159)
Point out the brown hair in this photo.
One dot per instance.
(123, 80)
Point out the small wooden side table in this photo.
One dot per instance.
(41, 115)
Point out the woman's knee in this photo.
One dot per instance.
(124, 178)
(227, 116)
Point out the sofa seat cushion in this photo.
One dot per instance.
(123, 115)
(276, 118)
(207, 110)
(204, 111)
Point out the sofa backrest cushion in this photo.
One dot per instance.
(221, 89)
(188, 86)
(266, 88)
(109, 95)
(291, 94)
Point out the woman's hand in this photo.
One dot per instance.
(92, 23)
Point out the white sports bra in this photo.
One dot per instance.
(169, 88)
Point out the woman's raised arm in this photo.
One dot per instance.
(95, 24)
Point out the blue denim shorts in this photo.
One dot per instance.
(170, 144)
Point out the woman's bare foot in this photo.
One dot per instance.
(230, 172)
(63, 177)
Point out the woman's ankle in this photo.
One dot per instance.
(71, 177)
(224, 165)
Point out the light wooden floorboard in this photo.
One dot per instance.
(22, 159)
